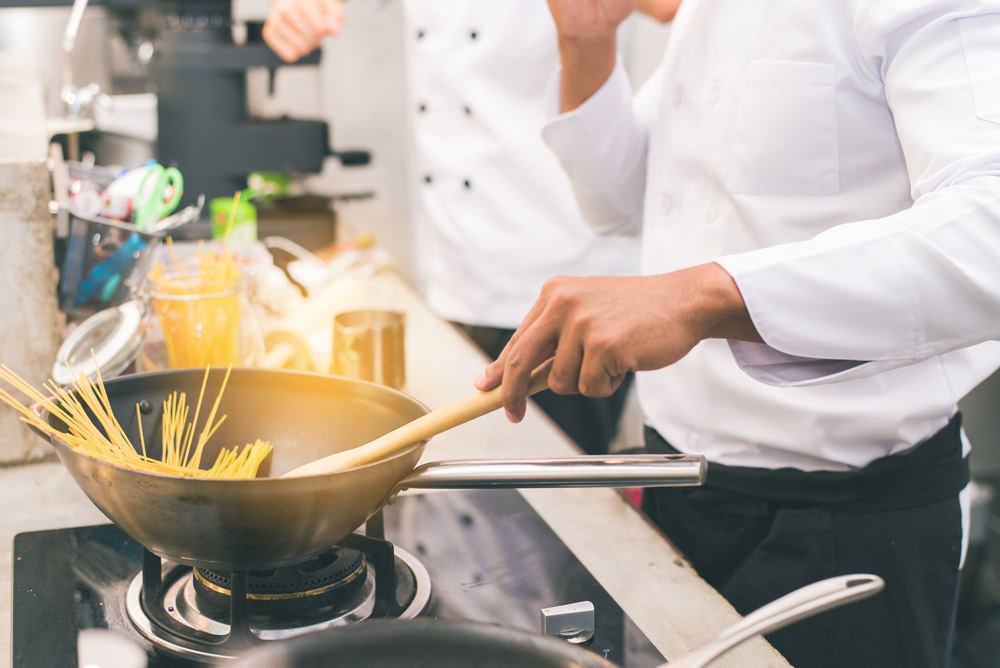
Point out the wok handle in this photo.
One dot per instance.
(425, 426)
(799, 604)
(583, 471)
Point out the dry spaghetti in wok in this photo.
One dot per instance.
(90, 426)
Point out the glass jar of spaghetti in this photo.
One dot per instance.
(204, 314)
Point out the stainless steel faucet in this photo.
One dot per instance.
(78, 100)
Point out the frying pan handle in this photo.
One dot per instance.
(583, 471)
(799, 604)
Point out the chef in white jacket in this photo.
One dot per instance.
(817, 185)
(494, 214)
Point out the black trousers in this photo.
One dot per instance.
(756, 534)
(590, 422)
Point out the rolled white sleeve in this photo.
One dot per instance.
(875, 294)
(602, 146)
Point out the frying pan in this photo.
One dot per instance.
(268, 522)
(456, 644)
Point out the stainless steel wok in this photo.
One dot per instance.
(273, 521)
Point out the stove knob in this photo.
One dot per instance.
(573, 622)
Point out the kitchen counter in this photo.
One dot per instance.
(666, 599)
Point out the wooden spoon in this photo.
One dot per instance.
(425, 426)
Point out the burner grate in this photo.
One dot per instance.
(211, 615)
(330, 579)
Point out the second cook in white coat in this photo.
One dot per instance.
(494, 214)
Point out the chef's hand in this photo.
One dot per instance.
(296, 27)
(600, 328)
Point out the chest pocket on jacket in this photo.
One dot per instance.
(983, 67)
(785, 131)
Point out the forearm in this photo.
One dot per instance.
(714, 306)
(586, 65)
(586, 34)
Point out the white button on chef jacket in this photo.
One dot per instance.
(494, 212)
(850, 154)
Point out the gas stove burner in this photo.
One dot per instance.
(492, 558)
(190, 613)
(333, 578)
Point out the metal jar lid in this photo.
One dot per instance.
(115, 336)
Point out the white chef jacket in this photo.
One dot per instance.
(494, 213)
(841, 160)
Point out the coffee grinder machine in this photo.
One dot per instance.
(203, 123)
(197, 57)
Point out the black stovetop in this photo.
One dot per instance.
(489, 555)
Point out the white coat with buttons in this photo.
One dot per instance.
(494, 212)
(841, 160)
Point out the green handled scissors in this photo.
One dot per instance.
(149, 203)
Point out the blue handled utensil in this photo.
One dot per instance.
(103, 279)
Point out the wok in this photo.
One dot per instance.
(456, 644)
(268, 522)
